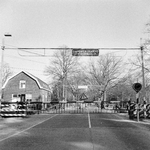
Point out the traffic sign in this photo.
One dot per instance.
(83, 96)
(137, 87)
(85, 52)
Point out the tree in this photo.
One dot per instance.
(62, 67)
(7, 72)
(123, 90)
(104, 73)
(139, 74)
(78, 79)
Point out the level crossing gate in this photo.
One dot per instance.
(78, 107)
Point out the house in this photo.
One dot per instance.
(25, 87)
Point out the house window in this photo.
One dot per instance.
(14, 95)
(15, 98)
(22, 84)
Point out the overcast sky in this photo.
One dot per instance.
(75, 23)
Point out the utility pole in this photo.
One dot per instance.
(1, 66)
(143, 73)
(1, 71)
(63, 70)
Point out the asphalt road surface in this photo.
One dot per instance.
(81, 132)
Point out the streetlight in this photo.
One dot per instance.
(1, 66)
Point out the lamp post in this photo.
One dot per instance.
(1, 66)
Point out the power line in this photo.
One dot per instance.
(16, 48)
(37, 54)
(25, 59)
(101, 48)
(67, 48)
(26, 69)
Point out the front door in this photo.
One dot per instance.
(22, 97)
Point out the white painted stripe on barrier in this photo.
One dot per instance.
(13, 109)
(13, 113)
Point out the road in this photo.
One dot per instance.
(77, 132)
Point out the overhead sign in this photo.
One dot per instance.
(85, 52)
(137, 87)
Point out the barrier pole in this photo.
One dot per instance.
(137, 98)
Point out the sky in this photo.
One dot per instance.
(74, 23)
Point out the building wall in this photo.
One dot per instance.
(45, 96)
(12, 87)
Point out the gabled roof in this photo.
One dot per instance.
(40, 83)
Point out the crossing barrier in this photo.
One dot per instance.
(13, 112)
(18, 109)
(8, 112)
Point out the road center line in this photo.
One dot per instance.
(26, 129)
(89, 120)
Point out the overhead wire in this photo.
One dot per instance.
(26, 69)
(16, 48)
(25, 49)
(119, 49)
(12, 56)
(16, 68)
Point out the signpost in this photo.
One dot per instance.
(85, 52)
(137, 87)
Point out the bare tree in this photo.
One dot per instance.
(79, 78)
(140, 74)
(123, 90)
(7, 72)
(62, 67)
(105, 72)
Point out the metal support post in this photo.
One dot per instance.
(137, 101)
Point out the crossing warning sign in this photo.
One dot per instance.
(83, 96)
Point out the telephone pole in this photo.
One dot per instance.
(143, 73)
(1, 66)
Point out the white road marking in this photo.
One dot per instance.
(89, 120)
(26, 129)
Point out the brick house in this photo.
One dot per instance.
(24, 87)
